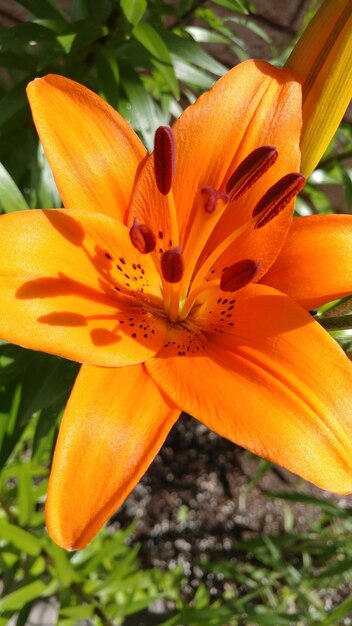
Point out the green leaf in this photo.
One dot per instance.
(78, 612)
(336, 322)
(18, 61)
(324, 505)
(43, 9)
(21, 539)
(347, 180)
(11, 434)
(211, 17)
(98, 11)
(24, 36)
(45, 432)
(192, 76)
(25, 495)
(13, 362)
(343, 610)
(62, 566)
(11, 198)
(204, 35)
(252, 26)
(150, 39)
(17, 599)
(133, 10)
(66, 41)
(271, 618)
(12, 102)
(318, 198)
(214, 615)
(47, 381)
(233, 5)
(321, 177)
(187, 50)
(201, 597)
(335, 570)
(108, 75)
(121, 575)
(87, 33)
(23, 615)
(141, 111)
(109, 550)
(47, 193)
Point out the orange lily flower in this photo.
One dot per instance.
(173, 279)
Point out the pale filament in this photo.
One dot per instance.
(213, 257)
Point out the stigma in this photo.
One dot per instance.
(213, 200)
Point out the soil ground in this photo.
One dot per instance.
(194, 500)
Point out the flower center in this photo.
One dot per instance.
(186, 272)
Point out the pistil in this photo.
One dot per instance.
(212, 204)
(213, 199)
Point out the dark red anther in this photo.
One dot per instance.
(213, 199)
(250, 169)
(142, 237)
(164, 158)
(172, 265)
(278, 197)
(238, 275)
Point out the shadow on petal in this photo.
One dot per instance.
(59, 286)
(103, 337)
(64, 318)
(67, 226)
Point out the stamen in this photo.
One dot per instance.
(172, 265)
(212, 204)
(164, 158)
(277, 198)
(142, 237)
(238, 275)
(250, 169)
(213, 199)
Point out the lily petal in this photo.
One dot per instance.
(276, 384)
(254, 104)
(76, 287)
(314, 265)
(114, 424)
(322, 62)
(93, 152)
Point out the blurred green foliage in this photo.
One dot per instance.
(140, 56)
(283, 579)
(148, 59)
